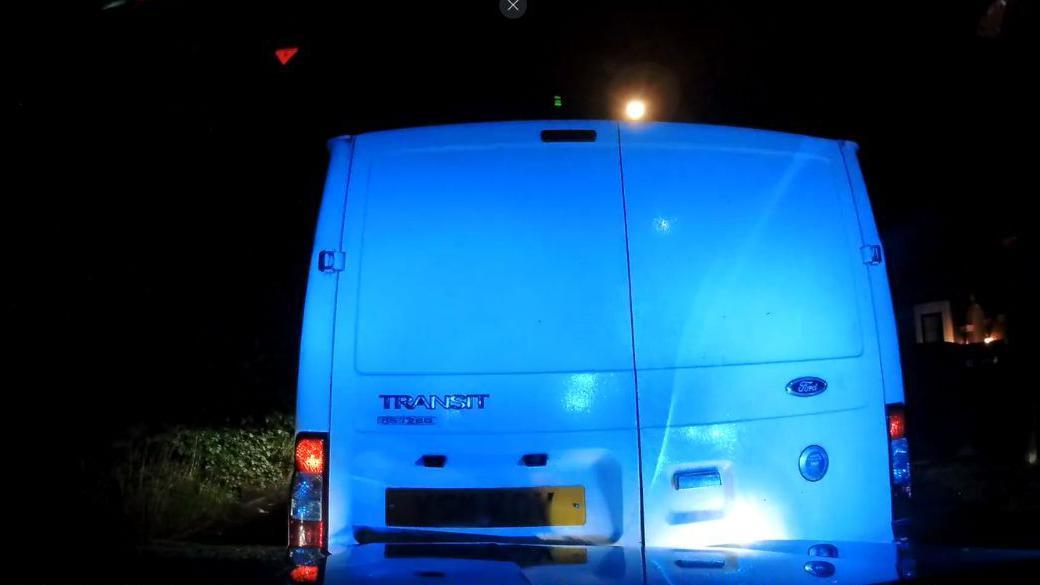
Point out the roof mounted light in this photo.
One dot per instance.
(635, 109)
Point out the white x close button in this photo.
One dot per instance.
(512, 8)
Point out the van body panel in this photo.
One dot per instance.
(313, 388)
(746, 276)
(732, 234)
(884, 313)
(483, 315)
(475, 220)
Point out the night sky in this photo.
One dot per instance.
(168, 168)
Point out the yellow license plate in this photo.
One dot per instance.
(485, 507)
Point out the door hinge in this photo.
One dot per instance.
(331, 261)
(871, 254)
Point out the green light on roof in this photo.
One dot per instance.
(557, 101)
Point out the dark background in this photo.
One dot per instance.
(167, 170)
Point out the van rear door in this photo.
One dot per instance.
(483, 337)
(746, 279)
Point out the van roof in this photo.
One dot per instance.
(716, 133)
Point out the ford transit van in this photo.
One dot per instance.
(666, 335)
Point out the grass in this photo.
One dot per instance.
(185, 481)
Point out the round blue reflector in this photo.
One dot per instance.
(813, 463)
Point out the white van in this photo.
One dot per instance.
(667, 335)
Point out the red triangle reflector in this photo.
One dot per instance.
(285, 54)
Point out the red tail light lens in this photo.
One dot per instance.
(304, 533)
(896, 422)
(304, 574)
(310, 455)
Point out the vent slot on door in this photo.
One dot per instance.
(568, 135)
(432, 460)
(534, 460)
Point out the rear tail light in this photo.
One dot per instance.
(307, 565)
(308, 506)
(899, 449)
(304, 533)
(310, 455)
(896, 422)
(304, 574)
(899, 463)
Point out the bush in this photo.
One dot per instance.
(182, 481)
(239, 459)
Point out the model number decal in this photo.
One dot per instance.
(404, 420)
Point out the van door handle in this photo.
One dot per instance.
(697, 478)
(331, 261)
(871, 254)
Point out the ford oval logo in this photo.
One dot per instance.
(806, 386)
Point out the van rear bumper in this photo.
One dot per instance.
(767, 562)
